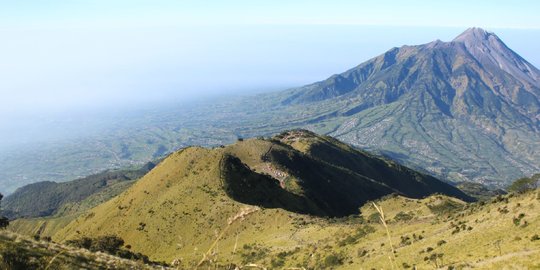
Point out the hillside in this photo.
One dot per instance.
(303, 200)
(18, 252)
(297, 171)
(434, 232)
(479, 191)
(49, 198)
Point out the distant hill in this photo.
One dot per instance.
(479, 191)
(49, 198)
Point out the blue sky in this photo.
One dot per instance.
(66, 55)
(109, 13)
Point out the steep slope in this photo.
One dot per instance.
(194, 191)
(468, 109)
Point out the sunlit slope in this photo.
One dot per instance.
(437, 231)
(174, 210)
(177, 208)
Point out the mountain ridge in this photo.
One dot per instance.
(473, 86)
(283, 176)
(433, 107)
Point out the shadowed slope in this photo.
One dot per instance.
(195, 190)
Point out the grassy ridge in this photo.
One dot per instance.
(176, 209)
(272, 203)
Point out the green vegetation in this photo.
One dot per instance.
(18, 252)
(110, 244)
(332, 260)
(403, 217)
(4, 221)
(445, 206)
(49, 198)
(479, 191)
(525, 184)
(231, 206)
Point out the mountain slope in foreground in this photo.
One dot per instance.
(435, 232)
(248, 203)
(19, 252)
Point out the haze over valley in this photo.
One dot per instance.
(269, 135)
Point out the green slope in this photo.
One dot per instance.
(193, 192)
(51, 198)
(279, 202)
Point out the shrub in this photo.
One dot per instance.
(111, 244)
(374, 218)
(405, 240)
(361, 252)
(402, 216)
(444, 208)
(333, 260)
(525, 184)
(535, 237)
(349, 240)
(277, 262)
(4, 222)
(18, 258)
(517, 220)
(499, 198)
(84, 242)
(441, 242)
(253, 253)
(108, 243)
(126, 254)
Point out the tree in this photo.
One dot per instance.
(4, 221)
(525, 184)
(108, 243)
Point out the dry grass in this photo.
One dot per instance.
(21, 252)
(241, 215)
(391, 257)
(183, 198)
(308, 244)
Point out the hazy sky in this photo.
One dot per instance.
(60, 55)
